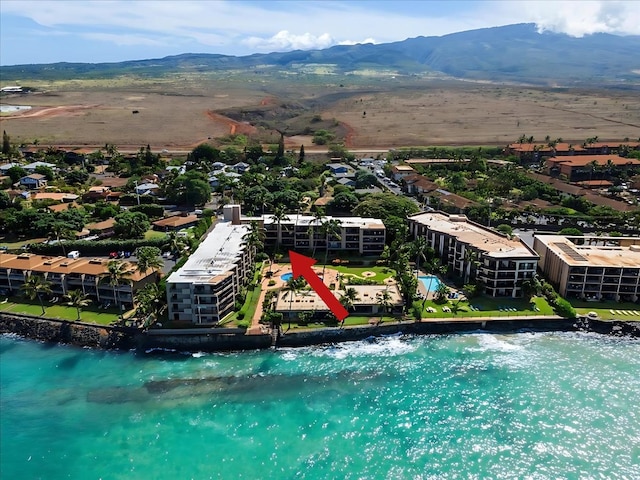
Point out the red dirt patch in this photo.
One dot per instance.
(235, 128)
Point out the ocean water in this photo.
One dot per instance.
(474, 406)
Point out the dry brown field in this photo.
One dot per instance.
(180, 113)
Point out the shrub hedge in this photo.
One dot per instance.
(102, 247)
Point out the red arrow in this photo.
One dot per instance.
(301, 266)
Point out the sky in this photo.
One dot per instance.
(95, 31)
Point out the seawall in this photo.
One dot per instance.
(210, 340)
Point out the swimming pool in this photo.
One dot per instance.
(430, 282)
(286, 277)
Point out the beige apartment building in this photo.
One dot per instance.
(304, 232)
(65, 274)
(204, 290)
(474, 252)
(591, 268)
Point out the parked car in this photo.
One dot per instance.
(113, 255)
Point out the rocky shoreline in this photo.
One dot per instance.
(121, 338)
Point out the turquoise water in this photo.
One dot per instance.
(287, 276)
(430, 282)
(556, 405)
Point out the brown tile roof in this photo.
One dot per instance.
(176, 221)
(57, 264)
(61, 207)
(103, 225)
(583, 160)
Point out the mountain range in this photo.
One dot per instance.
(514, 54)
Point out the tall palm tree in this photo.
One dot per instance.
(77, 299)
(331, 229)
(118, 273)
(35, 286)
(293, 287)
(419, 247)
(471, 260)
(151, 301)
(349, 297)
(383, 299)
(279, 216)
(318, 215)
(148, 259)
(254, 238)
(176, 243)
(60, 230)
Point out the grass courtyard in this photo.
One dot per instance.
(88, 314)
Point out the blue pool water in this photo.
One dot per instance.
(430, 282)
(287, 276)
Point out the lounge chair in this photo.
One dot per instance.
(612, 312)
(636, 312)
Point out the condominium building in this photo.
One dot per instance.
(474, 252)
(591, 268)
(305, 232)
(65, 274)
(205, 289)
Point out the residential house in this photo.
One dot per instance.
(477, 253)
(240, 167)
(398, 172)
(347, 182)
(4, 168)
(175, 222)
(147, 189)
(35, 181)
(31, 167)
(338, 168)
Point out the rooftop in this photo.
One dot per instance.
(608, 252)
(58, 264)
(176, 221)
(484, 239)
(310, 300)
(215, 257)
(308, 220)
(583, 160)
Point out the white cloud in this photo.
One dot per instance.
(284, 40)
(356, 42)
(578, 18)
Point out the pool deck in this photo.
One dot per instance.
(278, 269)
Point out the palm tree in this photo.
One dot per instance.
(383, 299)
(349, 297)
(471, 260)
(34, 287)
(148, 259)
(118, 273)
(331, 229)
(77, 299)
(419, 247)
(293, 287)
(60, 230)
(279, 216)
(255, 237)
(318, 215)
(176, 243)
(441, 292)
(151, 301)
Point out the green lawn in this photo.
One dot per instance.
(152, 234)
(603, 309)
(490, 307)
(381, 272)
(64, 312)
(14, 244)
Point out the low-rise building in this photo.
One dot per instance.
(474, 252)
(587, 167)
(590, 267)
(65, 274)
(204, 290)
(367, 301)
(34, 181)
(175, 222)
